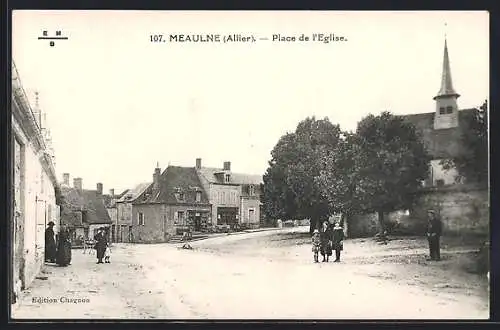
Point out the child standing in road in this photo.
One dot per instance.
(316, 242)
(107, 254)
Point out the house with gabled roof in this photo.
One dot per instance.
(172, 204)
(83, 211)
(123, 229)
(235, 197)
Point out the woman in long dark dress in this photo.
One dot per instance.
(338, 240)
(63, 257)
(100, 245)
(50, 243)
(325, 237)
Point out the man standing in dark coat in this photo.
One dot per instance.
(63, 257)
(434, 229)
(50, 243)
(100, 245)
(338, 240)
(325, 236)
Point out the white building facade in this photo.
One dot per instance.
(34, 185)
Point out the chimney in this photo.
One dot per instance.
(99, 188)
(77, 184)
(198, 163)
(112, 192)
(66, 179)
(156, 178)
(227, 166)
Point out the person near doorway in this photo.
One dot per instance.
(100, 245)
(338, 240)
(434, 230)
(63, 257)
(50, 244)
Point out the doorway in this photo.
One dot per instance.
(197, 222)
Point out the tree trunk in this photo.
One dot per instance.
(381, 222)
(313, 224)
(345, 223)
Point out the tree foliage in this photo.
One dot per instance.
(338, 176)
(290, 187)
(473, 163)
(390, 162)
(319, 170)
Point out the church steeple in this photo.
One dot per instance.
(446, 115)
(446, 89)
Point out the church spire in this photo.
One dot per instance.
(446, 115)
(446, 82)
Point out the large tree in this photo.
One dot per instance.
(290, 187)
(473, 163)
(338, 176)
(390, 162)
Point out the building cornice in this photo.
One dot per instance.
(22, 112)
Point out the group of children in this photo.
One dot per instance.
(327, 240)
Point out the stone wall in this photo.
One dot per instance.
(464, 209)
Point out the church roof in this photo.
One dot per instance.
(441, 143)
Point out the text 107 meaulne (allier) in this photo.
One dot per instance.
(242, 38)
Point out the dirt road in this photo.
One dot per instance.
(259, 275)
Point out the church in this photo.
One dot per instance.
(441, 130)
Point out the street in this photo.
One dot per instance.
(261, 275)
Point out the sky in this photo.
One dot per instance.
(117, 104)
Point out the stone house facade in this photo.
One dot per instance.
(123, 226)
(235, 197)
(173, 203)
(35, 190)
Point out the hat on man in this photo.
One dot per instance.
(51, 223)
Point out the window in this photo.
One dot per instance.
(198, 196)
(449, 109)
(181, 196)
(441, 111)
(251, 215)
(226, 178)
(440, 182)
(181, 217)
(141, 219)
(251, 190)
